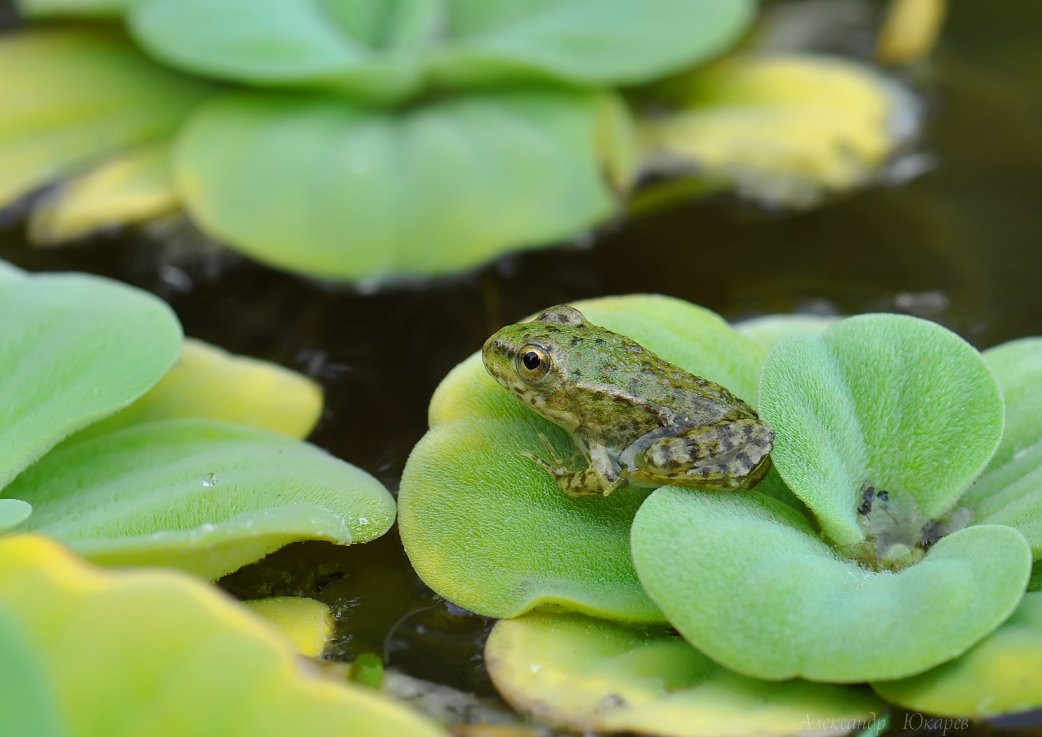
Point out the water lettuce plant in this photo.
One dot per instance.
(591, 675)
(92, 652)
(134, 447)
(369, 139)
(896, 533)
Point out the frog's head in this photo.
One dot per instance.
(530, 358)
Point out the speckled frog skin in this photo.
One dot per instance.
(636, 419)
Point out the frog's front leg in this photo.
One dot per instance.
(730, 455)
(601, 476)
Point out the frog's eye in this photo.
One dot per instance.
(533, 362)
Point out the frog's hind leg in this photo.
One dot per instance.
(728, 456)
(601, 477)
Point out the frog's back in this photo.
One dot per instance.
(669, 394)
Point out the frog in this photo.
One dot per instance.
(634, 418)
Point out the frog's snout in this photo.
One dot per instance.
(493, 353)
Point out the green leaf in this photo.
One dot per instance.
(1010, 490)
(73, 8)
(158, 653)
(275, 42)
(25, 696)
(209, 383)
(999, 675)
(748, 581)
(491, 532)
(311, 184)
(74, 349)
(887, 401)
(13, 512)
(204, 496)
(50, 127)
(770, 330)
(586, 41)
(784, 129)
(127, 188)
(590, 676)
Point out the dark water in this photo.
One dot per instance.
(961, 244)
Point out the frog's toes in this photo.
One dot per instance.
(555, 458)
(538, 461)
(555, 467)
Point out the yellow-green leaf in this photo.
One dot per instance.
(784, 128)
(159, 653)
(589, 675)
(127, 188)
(910, 31)
(306, 623)
(73, 96)
(210, 383)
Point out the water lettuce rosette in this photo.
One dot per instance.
(386, 138)
(897, 531)
(134, 446)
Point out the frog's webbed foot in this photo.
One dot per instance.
(728, 456)
(588, 482)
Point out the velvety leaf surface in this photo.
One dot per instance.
(491, 532)
(51, 127)
(306, 623)
(1010, 490)
(178, 657)
(210, 383)
(592, 676)
(882, 401)
(284, 43)
(204, 496)
(631, 41)
(770, 330)
(129, 187)
(748, 581)
(73, 349)
(785, 129)
(312, 184)
(999, 675)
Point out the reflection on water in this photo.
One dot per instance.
(959, 244)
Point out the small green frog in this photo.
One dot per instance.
(637, 419)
